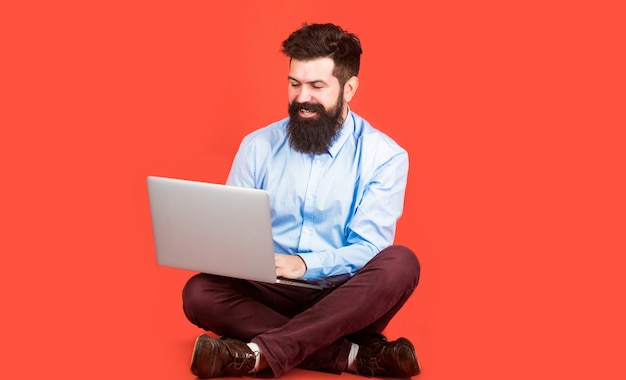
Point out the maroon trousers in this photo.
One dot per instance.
(300, 327)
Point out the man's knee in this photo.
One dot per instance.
(409, 259)
(194, 296)
(193, 287)
(402, 263)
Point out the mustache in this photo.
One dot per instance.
(295, 107)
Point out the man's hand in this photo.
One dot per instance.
(289, 266)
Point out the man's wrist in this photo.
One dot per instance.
(304, 263)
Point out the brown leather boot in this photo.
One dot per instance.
(221, 357)
(378, 357)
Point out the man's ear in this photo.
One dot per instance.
(349, 89)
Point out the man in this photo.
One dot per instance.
(336, 189)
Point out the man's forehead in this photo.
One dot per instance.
(312, 70)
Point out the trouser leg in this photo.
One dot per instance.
(364, 304)
(242, 309)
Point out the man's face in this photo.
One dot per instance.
(313, 82)
(316, 105)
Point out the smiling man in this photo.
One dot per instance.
(336, 189)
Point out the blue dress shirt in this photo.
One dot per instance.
(336, 210)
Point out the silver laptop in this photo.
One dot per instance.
(216, 229)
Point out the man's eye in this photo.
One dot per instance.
(294, 84)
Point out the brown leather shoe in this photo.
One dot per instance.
(221, 357)
(378, 357)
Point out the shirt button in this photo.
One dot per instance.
(306, 231)
(317, 162)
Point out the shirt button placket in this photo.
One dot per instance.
(308, 221)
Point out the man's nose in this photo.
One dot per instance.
(304, 96)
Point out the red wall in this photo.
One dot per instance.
(512, 113)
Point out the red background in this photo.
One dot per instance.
(513, 114)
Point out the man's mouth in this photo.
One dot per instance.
(305, 112)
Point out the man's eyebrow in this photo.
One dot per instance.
(311, 82)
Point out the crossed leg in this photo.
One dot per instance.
(302, 327)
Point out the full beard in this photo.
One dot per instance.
(314, 135)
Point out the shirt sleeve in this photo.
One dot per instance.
(242, 170)
(373, 225)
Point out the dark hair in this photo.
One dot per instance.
(326, 40)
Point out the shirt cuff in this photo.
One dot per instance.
(314, 268)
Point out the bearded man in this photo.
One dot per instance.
(336, 188)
